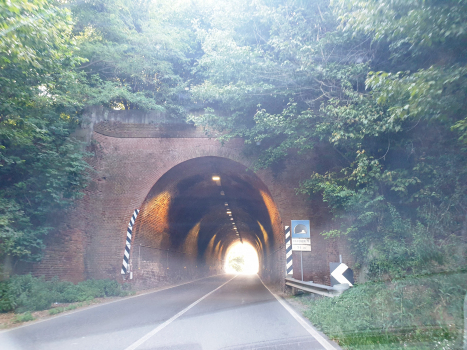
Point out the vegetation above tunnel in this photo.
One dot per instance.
(308, 67)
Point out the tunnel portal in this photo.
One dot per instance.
(148, 161)
(194, 213)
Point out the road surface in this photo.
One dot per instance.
(221, 312)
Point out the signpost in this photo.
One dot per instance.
(301, 238)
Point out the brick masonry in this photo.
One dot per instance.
(128, 162)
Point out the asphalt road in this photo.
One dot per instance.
(221, 312)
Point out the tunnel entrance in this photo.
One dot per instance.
(193, 216)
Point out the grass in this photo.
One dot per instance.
(412, 313)
(60, 309)
(57, 310)
(27, 316)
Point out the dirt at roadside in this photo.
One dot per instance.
(10, 319)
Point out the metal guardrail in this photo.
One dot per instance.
(316, 288)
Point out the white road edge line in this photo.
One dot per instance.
(327, 345)
(103, 304)
(142, 340)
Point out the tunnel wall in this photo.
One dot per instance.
(132, 151)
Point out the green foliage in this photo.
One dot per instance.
(380, 85)
(137, 53)
(6, 299)
(237, 263)
(266, 54)
(41, 170)
(23, 317)
(58, 310)
(27, 293)
(427, 44)
(424, 312)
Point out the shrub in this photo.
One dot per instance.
(6, 300)
(23, 317)
(30, 293)
(27, 293)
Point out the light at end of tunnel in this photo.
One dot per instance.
(216, 178)
(242, 258)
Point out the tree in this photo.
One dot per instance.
(138, 53)
(292, 77)
(41, 170)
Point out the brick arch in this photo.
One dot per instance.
(184, 216)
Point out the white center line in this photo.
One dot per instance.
(142, 340)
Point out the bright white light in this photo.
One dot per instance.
(242, 258)
(216, 178)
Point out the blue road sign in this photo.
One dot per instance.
(301, 235)
(300, 228)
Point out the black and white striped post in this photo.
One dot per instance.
(288, 251)
(126, 254)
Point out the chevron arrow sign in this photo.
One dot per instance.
(340, 274)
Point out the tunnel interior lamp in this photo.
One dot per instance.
(216, 179)
(226, 204)
(222, 193)
(231, 218)
(229, 212)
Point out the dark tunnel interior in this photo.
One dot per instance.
(200, 208)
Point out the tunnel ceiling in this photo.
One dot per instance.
(186, 211)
